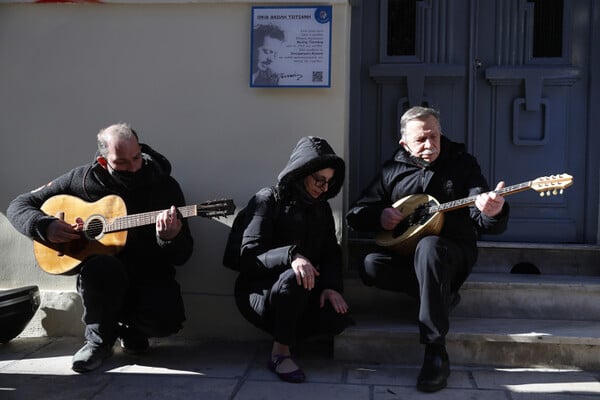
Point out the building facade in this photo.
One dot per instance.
(179, 73)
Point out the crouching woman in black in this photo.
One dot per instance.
(290, 280)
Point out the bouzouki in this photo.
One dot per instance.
(105, 227)
(425, 215)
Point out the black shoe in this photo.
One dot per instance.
(90, 357)
(435, 370)
(454, 301)
(133, 341)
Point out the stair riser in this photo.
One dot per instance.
(562, 259)
(547, 261)
(404, 348)
(524, 301)
(489, 300)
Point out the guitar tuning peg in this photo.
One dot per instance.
(561, 191)
(555, 192)
(541, 194)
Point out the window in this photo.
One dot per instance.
(547, 28)
(401, 27)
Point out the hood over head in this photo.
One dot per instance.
(312, 154)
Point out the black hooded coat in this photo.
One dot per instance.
(284, 220)
(156, 190)
(454, 175)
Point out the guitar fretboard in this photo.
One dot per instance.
(147, 218)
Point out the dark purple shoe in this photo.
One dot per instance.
(296, 376)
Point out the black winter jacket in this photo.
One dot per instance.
(283, 220)
(157, 190)
(455, 174)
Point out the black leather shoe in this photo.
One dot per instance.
(132, 341)
(435, 371)
(454, 301)
(90, 357)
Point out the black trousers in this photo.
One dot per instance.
(434, 274)
(112, 297)
(284, 309)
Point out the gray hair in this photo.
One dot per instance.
(121, 131)
(419, 113)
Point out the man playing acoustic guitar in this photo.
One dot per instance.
(131, 294)
(434, 270)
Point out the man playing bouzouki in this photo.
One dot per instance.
(131, 295)
(428, 163)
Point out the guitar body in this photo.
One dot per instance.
(404, 240)
(59, 258)
(105, 224)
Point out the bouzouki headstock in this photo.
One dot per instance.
(553, 184)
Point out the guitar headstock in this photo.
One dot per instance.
(216, 208)
(553, 184)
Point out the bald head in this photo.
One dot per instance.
(116, 132)
(119, 149)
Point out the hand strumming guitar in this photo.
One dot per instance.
(60, 231)
(390, 217)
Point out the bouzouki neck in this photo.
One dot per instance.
(467, 201)
(544, 185)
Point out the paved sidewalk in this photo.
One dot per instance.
(40, 368)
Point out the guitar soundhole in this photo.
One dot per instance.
(421, 215)
(94, 228)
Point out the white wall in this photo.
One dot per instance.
(179, 74)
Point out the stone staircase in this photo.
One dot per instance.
(524, 305)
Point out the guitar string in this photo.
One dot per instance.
(129, 221)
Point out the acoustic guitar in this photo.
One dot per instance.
(425, 215)
(105, 227)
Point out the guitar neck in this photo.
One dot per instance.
(467, 201)
(146, 218)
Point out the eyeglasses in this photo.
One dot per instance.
(320, 182)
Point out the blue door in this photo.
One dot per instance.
(511, 79)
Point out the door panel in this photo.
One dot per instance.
(529, 108)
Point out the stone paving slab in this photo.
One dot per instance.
(400, 376)
(39, 368)
(400, 393)
(259, 390)
(169, 387)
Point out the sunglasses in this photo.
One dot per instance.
(320, 182)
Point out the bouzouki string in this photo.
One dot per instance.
(451, 205)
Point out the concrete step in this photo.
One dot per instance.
(530, 296)
(524, 305)
(504, 257)
(477, 341)
(495, 295)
